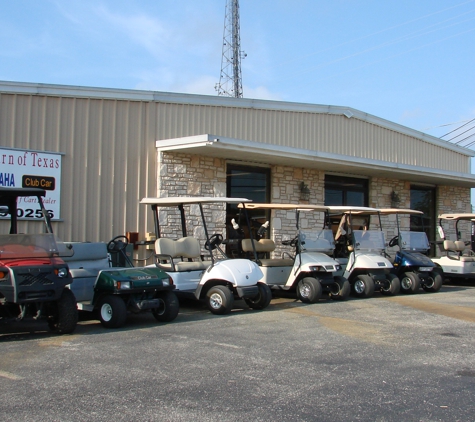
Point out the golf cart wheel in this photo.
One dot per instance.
(391, 286)
(65, 313)
(112, 312)
(410, 283)
(363, 286)
(435, 281)
(342, 288)
(263, 298)
(168, 309)
(309, 290)
(220, 300)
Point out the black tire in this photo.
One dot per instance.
(263, 298)
(391, 286)
(410, 283)
(344, 288)
(64, 317)
(436, 281)
(309, 290)
(363, 286)
(219, 300)
(112, 312)
(169, 307)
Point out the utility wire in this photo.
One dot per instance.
(460, 134)
(469, 144)
(465, 124)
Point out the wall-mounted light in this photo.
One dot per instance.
(395, 200)
(304, 191)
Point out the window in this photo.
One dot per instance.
(248, 182)
(423, 199)
(341, 190)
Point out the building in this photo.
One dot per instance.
(118, 146)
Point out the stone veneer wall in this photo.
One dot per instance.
(184, 174)
(285, 188)
(453, 199)
(192, 175)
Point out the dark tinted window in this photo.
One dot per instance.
(346, 191)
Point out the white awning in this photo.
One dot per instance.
(250, 152)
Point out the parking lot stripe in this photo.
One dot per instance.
(462, 313)
(10, 376)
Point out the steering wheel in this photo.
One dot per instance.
(394, 241)
(291, 242)
(214, 241)
(118, 243)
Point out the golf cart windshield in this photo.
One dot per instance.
(369, 240)
(414, 241)
(46, 245)
(317, 241)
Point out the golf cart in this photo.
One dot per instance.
(411, 263)
(307, 269)
(216, 280)
(112, 292)
(360, 251)
(33, 277)
(458, 259)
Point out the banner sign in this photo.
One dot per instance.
(32, 169)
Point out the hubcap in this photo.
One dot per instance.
(215, 300)
(304, 290)
(161, 309)
(335, 289)
(106, 312)
(406, 283)
(359, 286)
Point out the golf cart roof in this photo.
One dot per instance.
(348, 209)
(184, 200)
(303, 207)
(388, 211)
(459, 216)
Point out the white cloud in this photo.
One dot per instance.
(261, 92)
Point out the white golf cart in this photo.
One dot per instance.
(306, 269)
(360, 251)
(411, 263)
(216, 280)
(458, 259)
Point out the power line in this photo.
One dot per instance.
(458, 128)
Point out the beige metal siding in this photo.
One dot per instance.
(322, 132)
(109, 160)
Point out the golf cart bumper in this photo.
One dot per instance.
(247, 292)
(142, 305)
(28, 285)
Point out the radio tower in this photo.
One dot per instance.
(230, 80)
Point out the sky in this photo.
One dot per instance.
(407, 61)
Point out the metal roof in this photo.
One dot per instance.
(194, 99)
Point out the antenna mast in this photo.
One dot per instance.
(230, 80)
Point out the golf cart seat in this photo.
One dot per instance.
(455, 250)
(170, 255)
(265, 246)
(88, 260)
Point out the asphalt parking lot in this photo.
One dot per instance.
(406, 358)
